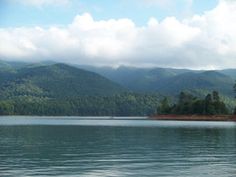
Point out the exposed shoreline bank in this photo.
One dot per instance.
(195, 117)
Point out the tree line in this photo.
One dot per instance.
(128, 104)
(188, 104)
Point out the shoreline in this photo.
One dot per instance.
(225, 118)
(231, 118)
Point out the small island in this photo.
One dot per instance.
(191, 108)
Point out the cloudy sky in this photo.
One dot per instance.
(195, 34)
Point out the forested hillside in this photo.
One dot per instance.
(170, 81)
(60, 89)
(49, 88)
(55, 81)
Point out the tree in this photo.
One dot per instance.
(188, 104)
(164, 107)
(213, 104)
(216, 97)
(6, 108)
(199, 107)
(185, 104)
(209, 108)
(219, 106)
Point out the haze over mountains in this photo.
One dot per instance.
(61, 79)
(169, 81)
(50, 88)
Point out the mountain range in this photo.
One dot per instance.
(66, 80)
(50, 88)
(55, 81)
(169, 81)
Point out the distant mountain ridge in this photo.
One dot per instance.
(49, 88)
(170, 81)
(143, 80)
(56, 81)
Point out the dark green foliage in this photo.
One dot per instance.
(56, 81)
(215, 96)
(126, 104)
(209, 108)
(188, 105)
(164, 107)
(168, 81)
(58, 89)
(184, 105)
(6, 108)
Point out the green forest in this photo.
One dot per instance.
(126, 104)
(188, 105)
(60, 89)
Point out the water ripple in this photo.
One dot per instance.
(180, 151)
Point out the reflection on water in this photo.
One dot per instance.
(132, 150)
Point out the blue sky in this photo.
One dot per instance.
(196, 34)
(23, 13)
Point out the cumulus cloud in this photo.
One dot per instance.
(202, 41)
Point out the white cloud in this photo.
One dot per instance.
(40, 3)
(204, 41)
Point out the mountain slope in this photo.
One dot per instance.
(56, 81)
(170, 81)
(136, 79)
(229, 72)
(204, 81)
(33, 79)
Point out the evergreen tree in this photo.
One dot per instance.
(164, 107)
(209, 108)
(216, 97)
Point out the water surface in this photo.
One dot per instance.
(85, 147)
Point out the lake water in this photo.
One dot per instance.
(74, 146)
